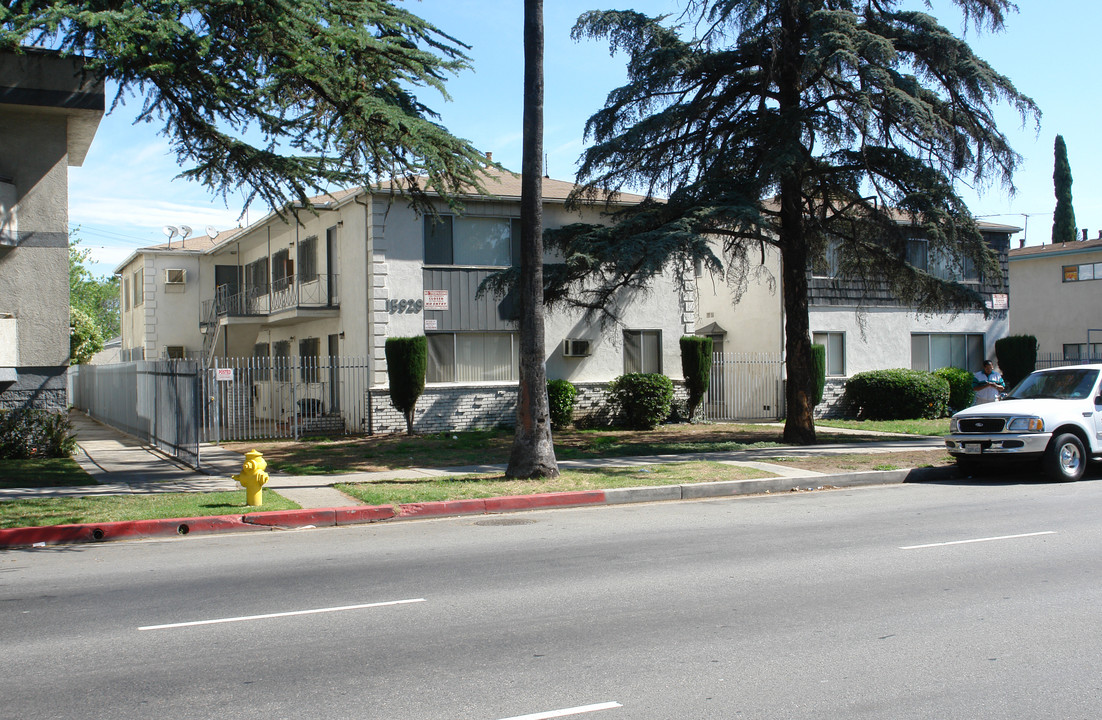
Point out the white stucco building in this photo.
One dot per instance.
(364, 268)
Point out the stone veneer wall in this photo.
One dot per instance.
(482, 407)
(834, 404)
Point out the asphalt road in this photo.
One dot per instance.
(916, 601)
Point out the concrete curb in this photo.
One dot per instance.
(361, 514)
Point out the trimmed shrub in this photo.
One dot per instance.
(1017, 356)
(35, 434)
(898, 394)
(560, 399)
(819, 360)
(406, 362)
(960, 387)
(643, 399)
(696, 366)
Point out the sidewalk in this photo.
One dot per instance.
(122, 465)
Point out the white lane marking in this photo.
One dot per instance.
(568, 711)
(978, 540)
(282, 614)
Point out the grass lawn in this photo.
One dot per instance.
(321, 456)
(940, 426)
(111, 508)
(393, 492)
(42, 472)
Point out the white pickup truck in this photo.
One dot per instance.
(1053, 415)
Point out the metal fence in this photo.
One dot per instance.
(746, 386)
(1051, 360)
(157, 401)
(285, 397)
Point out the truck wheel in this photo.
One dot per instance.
(1065, 460)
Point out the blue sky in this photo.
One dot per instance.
(125, 192)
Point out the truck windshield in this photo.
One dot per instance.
(1058, 384)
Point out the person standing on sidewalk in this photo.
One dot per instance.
(987, 384)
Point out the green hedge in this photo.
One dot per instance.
(1017, 356)
(819, 360)
(961, 394)
(406, 363)
(696, 367)
(35, 434)
(644, 399)
(898, 394)
(560, 399)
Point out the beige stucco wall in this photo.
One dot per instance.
(1054, 311)
(755, 323)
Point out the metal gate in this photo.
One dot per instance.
(156, 401)
(745, 386)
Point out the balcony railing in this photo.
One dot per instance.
(295, 291)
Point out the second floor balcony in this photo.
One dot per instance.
(293, 292)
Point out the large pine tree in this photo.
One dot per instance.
(1063, 219)
(283, 98)
(791, 124)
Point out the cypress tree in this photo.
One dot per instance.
(1063, 219)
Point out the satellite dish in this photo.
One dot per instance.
(185, 230)
(172, 231)
(212, 232)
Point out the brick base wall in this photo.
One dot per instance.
(481, 407)
(834, 404)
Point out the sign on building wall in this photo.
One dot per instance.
(436, 299)
(430, 323)
(223, 374)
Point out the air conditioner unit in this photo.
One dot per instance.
(575, 348)
(175, 276)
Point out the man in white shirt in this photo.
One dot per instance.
(987, 384)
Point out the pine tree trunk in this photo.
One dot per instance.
(799, 424)
(533, 453)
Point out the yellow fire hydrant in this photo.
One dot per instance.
(253, 477)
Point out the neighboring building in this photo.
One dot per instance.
(366, 267)
(49, 112)
(860, 332)
(1057, 296)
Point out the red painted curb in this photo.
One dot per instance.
(362, 514)
(443, 507)
(543, 500)
(103, 532)
(291, 518)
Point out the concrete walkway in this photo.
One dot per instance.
(122, 465)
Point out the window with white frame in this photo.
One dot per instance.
(932, 351)
(642, 351)
(835, 343)
(473, 357)
(472, 241)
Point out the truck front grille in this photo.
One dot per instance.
(981, 425)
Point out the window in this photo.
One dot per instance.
(642, 351)
(281, 360)
(256, 277)
(175, 276)
(175, 352)
(309, 351)
(1086, 271)
(835, 343)
(1082, 351)
(139, 287)
(283, 270)
(931, 351)
(473, 357)
(451, 240)
(829, 266)
(308, 259)
(261, 362)
(939, 264)
(126, 293)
